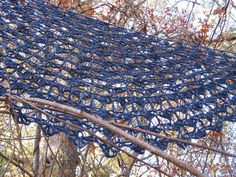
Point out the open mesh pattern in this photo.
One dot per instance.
(121, 76)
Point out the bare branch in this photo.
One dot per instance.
(112, 128)
(175, 139)
(16, 164)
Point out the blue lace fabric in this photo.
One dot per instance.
(118, 75)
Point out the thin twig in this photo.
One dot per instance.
(16, 164)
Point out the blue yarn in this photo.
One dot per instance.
(118, 75)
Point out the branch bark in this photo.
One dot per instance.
(36, 153)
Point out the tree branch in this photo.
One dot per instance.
(174, 139)
(112, 128)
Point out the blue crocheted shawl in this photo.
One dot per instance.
(140, 80)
